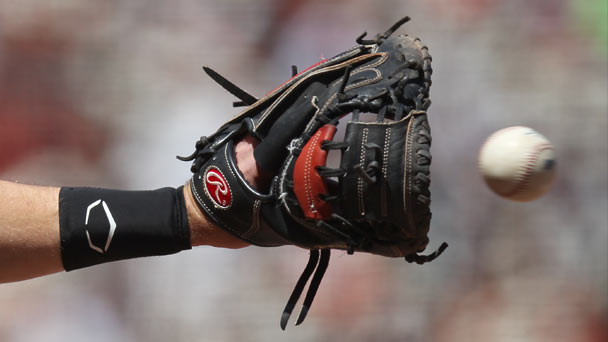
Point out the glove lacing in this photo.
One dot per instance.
(356, 238)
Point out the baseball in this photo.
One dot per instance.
(518, 163)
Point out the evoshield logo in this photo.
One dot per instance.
(217, 188)
(110, 221)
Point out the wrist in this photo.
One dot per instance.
(104, 225)
(203, 231)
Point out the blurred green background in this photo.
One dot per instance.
(106, 93)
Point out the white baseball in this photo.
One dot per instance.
(518, 163)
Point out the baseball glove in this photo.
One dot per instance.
(376, 200)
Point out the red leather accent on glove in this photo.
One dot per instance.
(308, 185)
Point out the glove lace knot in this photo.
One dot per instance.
(200, 154)
(422, 259)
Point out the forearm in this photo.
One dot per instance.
(30, 243)
(29, 231)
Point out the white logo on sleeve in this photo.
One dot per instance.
(110, 220)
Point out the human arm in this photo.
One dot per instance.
(29, 231)
(29, 224)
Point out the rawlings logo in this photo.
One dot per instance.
(217, 188)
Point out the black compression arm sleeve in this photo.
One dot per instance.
(102, 225)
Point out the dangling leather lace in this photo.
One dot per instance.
(320, 263)
(381, 37)
(246, 98)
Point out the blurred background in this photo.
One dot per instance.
(106, 93)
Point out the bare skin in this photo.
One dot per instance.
(29, 223)
(29, 231)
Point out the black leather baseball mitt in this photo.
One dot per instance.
(376, 200)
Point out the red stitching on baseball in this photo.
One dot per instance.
(523, 178)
